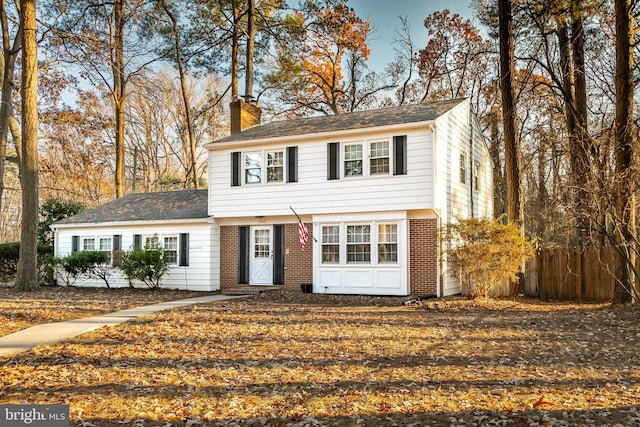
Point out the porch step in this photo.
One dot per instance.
(250, 290)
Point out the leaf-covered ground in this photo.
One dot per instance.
(313, 360)
(19, 310)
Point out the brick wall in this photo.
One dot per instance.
(423, 256)
(298, 264)
(228, 257)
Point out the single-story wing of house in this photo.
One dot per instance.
(176, 220)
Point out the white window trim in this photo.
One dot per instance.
(263, 166)
(462, 159)
(373, 242)
(96, 244)
(366, 157)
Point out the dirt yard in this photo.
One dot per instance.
(314, 360)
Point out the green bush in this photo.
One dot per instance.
(483, 252)
(93, 264)
(10, 254)
(147, 265)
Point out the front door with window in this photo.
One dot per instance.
(261, 262)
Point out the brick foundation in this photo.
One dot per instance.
(423, 256)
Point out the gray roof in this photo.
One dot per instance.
(169, 205)
(362, 119)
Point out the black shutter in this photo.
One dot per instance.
(236, 169)
(278, 254)
(137, 241)
(75, 243)
(243, 254)
(400, 155)
(183, 256)
(292, 164)
(333, 160)
(116, 250)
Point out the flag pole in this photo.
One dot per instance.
(300, 220)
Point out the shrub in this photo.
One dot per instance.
(10, 254)
(483, 252)
(93, 264)
(148, 265)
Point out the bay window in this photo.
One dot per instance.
(371, 243)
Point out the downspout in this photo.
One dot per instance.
(439, 258)
(471, 161)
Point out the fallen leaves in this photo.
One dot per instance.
(315, 360)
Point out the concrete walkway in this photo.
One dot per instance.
(52, 333)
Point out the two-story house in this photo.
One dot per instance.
(373, 188)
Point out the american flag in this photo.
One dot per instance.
(303, 233)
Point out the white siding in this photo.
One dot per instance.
(314, 193)
(458, 131)
(202, 273)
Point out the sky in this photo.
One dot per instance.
(384, 16)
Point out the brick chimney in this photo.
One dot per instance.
(243, 115)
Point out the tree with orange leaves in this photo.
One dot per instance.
(320, 58)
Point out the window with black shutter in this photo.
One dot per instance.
(116, 250)
(236, 169)
(333, 160)
(292, 164)
(183, 257)
(400, 155)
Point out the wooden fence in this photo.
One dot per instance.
(584, 274)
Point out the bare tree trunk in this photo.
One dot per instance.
(511, 144)
(498, 177)
(235, 47)
(27, 277)
(119, 86)
(251, 35)
(193, 167)
(9, 54)
(624, 179)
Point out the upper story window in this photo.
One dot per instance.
(379, 157)
(275, 166)
(476, 175)
(367, 158)
(268, 166)
(253, 168)
(463, 168)
(353, 160)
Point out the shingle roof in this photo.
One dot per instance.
(357, 120)
(170, 205)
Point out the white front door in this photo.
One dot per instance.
(261, 262)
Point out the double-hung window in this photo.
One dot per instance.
(170, 248)
(353, 160)
(463, 168)
(253, 168)
(105, 246)
(88, 244)
(331, 244)
(379, 157)
(374, 243)
(275, 166)
(358, 243)
(387, 243)
(256, 170)
(476, 175)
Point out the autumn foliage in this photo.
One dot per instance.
(483, 252)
